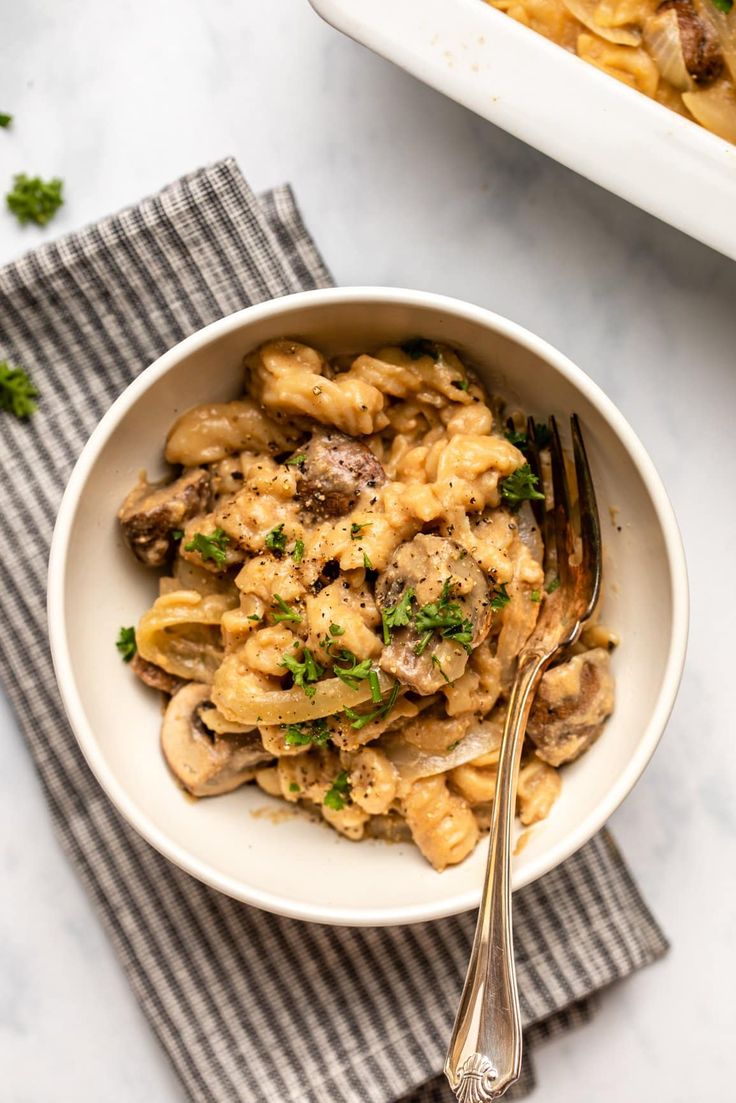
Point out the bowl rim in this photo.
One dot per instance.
(56, 605)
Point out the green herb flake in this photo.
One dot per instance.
(418, 347)
(553, 585)
(177, 534)
(366, 562)
(542, 435)
(723, 5)
(32, 199)
(355, 672)
(276, 540)
(397, 616)
(303, 671)
(446, 617)
(375, 687)
(517, 437)
(500, 599)
(454, 745)
(286, 613)
(294, 788)
(520, 486)
(536, 596)
(17, 393)
(255, 617)
(338, 795)
(5, 120)
(436, 662)
(359, 720)
(297, 553)
(461, 384)
(126, 644)
(296, 461)
(337, 630)
(311, 733)
(212, 547)
(356, 529)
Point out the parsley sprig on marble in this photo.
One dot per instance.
(32, 199)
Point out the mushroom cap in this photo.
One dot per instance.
(425, 564)
(204, 762)
(572, 702)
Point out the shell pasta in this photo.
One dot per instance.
(349, 568)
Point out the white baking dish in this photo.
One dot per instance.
(557, 103)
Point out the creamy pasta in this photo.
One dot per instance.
(350, 569)
(679, 52)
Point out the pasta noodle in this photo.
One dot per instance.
(349, 584)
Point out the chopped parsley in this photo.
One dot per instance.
(542, 434)
(553, 585)
(176, 534)
(723, 5)
(297, 553)
(337, 630)
(517, 437)
(520, 440)
(17, 393)
(397, 615)
(285, 611)
(366, 562)
(356, 529)
(461, 384)
(5, 120)
(311, 733)
(304, 671)
(355, 672)
(126, 644)
(536, 595)
(297, 461)
(32, 199)
(418, 347)
(500, 599)
(359, 720)
(375, 686)
(338, 795)
(276, 540)
(520, 486)
(454, 745)
(294, 788)
(255, 617)
(436, 662)
(446, 617)
(212, 547)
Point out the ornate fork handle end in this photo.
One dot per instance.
(476, 1080)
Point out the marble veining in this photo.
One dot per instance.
(399, 186)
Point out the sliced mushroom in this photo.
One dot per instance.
(335, 472)
(155, 676)
(574, 699)
(151, 512)
(701, 49)
(204, 762)
(429, 565)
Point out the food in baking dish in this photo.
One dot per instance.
(679, 52)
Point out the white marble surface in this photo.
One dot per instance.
(399, 186)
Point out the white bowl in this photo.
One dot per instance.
(296, 867)
(561, 105)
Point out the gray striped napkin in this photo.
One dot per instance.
(248, 1006)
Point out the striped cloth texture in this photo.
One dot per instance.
(248, 1006)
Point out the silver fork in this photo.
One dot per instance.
(484, 1057)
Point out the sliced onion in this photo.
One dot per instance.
(529, 533)
(584, 11)
(715, 109)
(662, 40)
(412, 763)
(238, 702)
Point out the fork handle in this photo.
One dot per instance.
(484, 1057)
